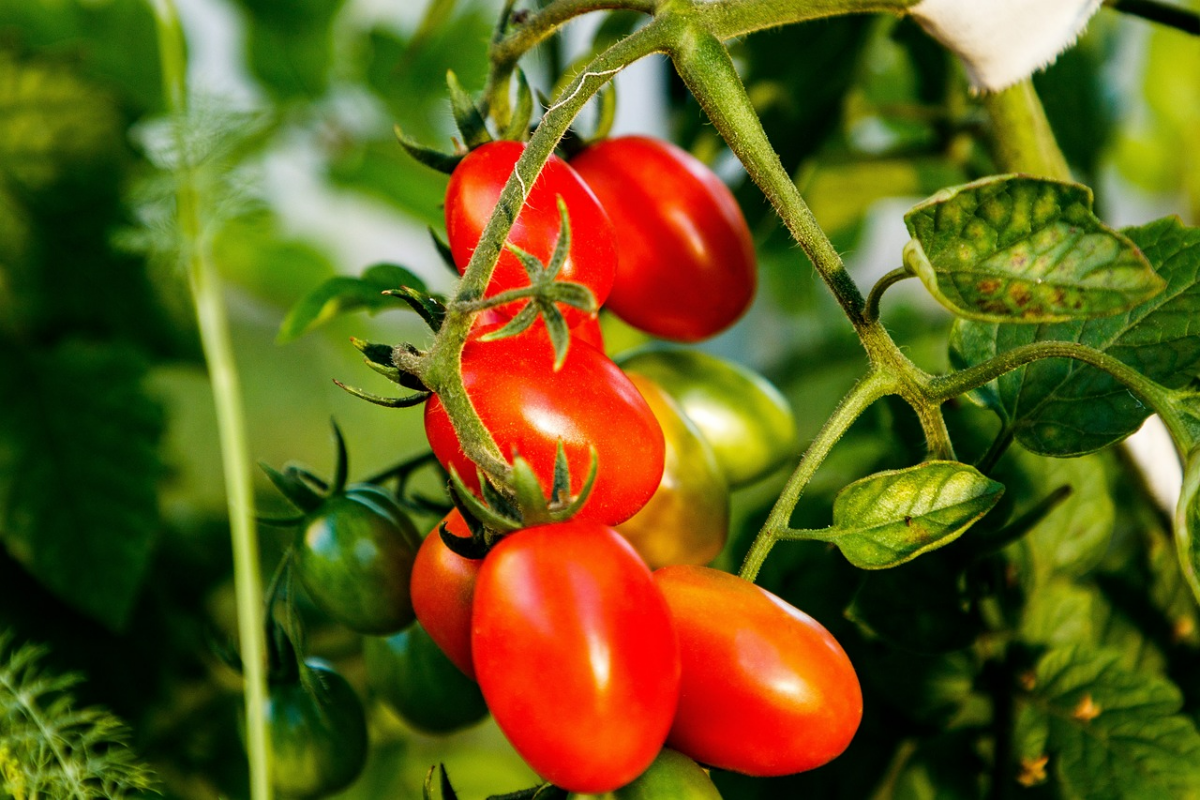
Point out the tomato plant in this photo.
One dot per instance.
(687, 519)
(472, 194)
(574, 604)
(765, 689)
(745, 419)
(319, 738)
(443, 590)
(420, 682)
(686, 268)
(530, 409)
(355, 556)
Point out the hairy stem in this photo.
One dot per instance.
(1023, 139)
(872, 387)
(442, 367)
(731, 18)
(226, 390)
(871, 312)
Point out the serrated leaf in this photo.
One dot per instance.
(1110, 734)
(78, 472)
(343, 294)
(1060, 407)
(1024, 249)
(467, 116)
(892, 517)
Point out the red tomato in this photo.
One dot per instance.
(686, 264)
(442, 587)
(529, 408)
(766, 690)
(588, 330)
(472, 195)
(575, 654)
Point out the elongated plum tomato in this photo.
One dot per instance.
(575, 654)
(529, 408)
(687, 519)
(685, 259)
(443, 588)
(766, 690)
(745, 419)
(472, 195)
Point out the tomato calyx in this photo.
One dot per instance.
(497, 513)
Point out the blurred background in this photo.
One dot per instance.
(115, 543)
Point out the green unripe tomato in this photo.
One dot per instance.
(319, 740)
(355, 557)
(412, 674)
(672, 776)
(745, 419)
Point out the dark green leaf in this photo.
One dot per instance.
(78, 472)
(892, 517)
(1110, 734)
(1060, 407)
(1023, 249)
(467, 116)
(343, 294)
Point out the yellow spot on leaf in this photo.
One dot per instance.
(1033, 771)
(1087, 710)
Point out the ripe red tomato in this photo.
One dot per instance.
(443, 587)
(765, 690)
(529, 408)
(575, 654)
(472, 194)
(685, 259)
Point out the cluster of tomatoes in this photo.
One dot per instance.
(598, 640)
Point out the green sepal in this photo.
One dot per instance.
(387, 402)
(443, 250)
(531, 263)
(471, 547)
(575, 295)
(467, 116)
(341, 467)
(560, 491)
(556, 328)
(531, 501)
(437, 784)
(465, 499)
(496, 499)
(518, 126)
(430, 157)
(585, 491)
(297, 492)
(379, 358)
(518, 324)
(429, 307)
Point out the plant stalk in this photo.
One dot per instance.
(1022, 138)
(226, 390)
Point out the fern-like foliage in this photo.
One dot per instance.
(51, 749)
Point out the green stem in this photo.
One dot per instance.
(1173, 16)
(1022, 136)
(441, 370)
(872, 387)
(987, 462)
(706, 68)
(728, 19)
(235, 451)
(871, 312)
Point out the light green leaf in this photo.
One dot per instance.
(1060, 407)
(78, 468)
(892, 517)
(343, 294)
(1023, 249)
(1110, 734)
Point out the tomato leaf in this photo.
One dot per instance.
(1023, 249)
(1108, 733)
(1060, 407)
(467, 116)
(78, 472)
(892, 517)
(342, 294)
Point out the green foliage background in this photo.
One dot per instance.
(112, 524)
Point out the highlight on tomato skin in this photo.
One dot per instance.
(530, 408)
(576, 654)
(686, 267)
(443, 589)
(765, 689)
(472, 194)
